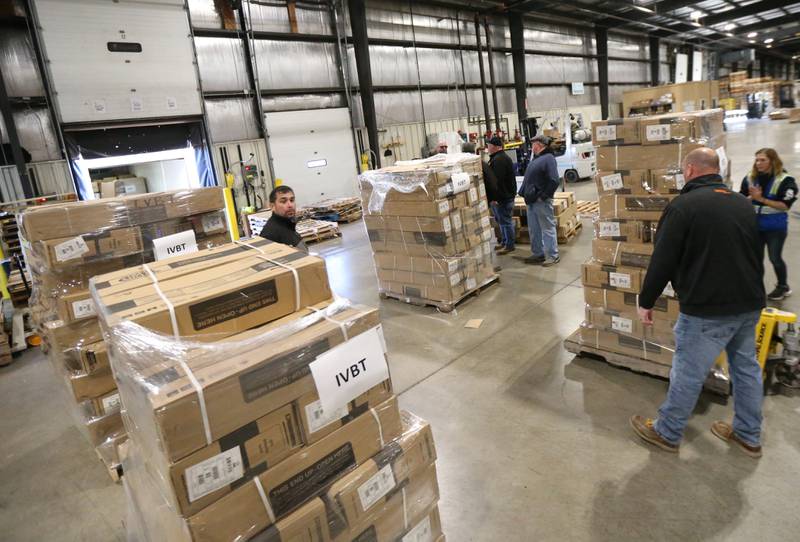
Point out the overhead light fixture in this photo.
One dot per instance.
(768, 40)
(752, 41)
(642, 8)
(696, 14)
(729, 34)
(752, 34)
(769, 46)
(729, 26)
(698, 25)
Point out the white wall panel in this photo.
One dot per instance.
(36, 134)
(231, 119)
(18, 64)
(286, 65)
(94, 84)
(222, 64)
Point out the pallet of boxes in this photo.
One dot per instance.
(257, 407)
(65, 245)
(565, 211)
(638, 175)
(428, 224)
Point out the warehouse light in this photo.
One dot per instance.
(769, 46)
(752, 41)
(696, 14)
(752, 34)
(729, 34)
(642, 8)
(729, 26)
(768, 40)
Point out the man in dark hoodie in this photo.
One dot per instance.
(541, 182)
(502, 201)
(707, 245)
(281, 225)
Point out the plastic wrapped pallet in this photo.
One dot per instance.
(65, 245)
(432, 214)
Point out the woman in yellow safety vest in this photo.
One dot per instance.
(772, 191)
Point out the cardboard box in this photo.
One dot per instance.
(665, 308)
(88, 248)
(634, 181)
(634, 207)
(619, 253)
(78, 218)
(569, 196)
(423, 264)
(616, 132)
(437, 208)
(621, 229)
(667, 181)
(299, 478)
(60, 336)
(626, 345)
(309, 523)
(663, 156)
(628, 323)
(410, 224)
(624, 279)
(686, 127)
(103, 428)
(127, 186)
(252, 381)
(254, 291)
(794, 115)
(408, 277)
(76, 306)
(107, 403)
(92, 385)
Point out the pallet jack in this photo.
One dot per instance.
(778, 354)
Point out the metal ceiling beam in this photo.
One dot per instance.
(667, 6)
(770, 23)
(752, 9)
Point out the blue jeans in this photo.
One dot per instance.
(698, 342)
(503, 212)
(542, 229)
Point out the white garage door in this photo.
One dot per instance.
(313, 153)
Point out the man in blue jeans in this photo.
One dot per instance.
(707, 244)
(541, 182)
(502, 199)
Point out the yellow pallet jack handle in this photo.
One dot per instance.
(766, 328)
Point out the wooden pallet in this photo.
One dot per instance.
(588, 208)
(442, 306)
(714, 383)
(571, 235)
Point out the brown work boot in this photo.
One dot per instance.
(644, 428)
(725, 432)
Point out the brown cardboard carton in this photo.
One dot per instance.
(665, 308)
(569, 196)
(627, 345)
(422, 292)
(421, 264)
(107, 403)
(409, 224)
(648, 207)
(634, 181)
(93, 357)
(92, 385)
(299, 478)
(667, 181)
(383, 241)
(668, 155)
(425, 279)
(60, 336)
(102, 428)
(624, 279)
(675, 127)
(97, 215)
(794, 115)
(621, 229)
(248, 383)
(628, 323)
(616, 132)
(309, 523)
(87, 248)
(76, 306)
(625, 254)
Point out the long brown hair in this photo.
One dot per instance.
(774, 160)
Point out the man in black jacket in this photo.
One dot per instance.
(707, 245)
(503, 201)
(281, 225)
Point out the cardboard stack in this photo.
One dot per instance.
(638, 175)
(259, 408)
(429, 227)
(565, 209)
(65, 245)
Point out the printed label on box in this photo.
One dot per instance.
(473, 195)
(130, 188)
(606, 133)
(83, 308)
(460, 182)
(457, 221)
(69, 250)
(486, 235)
(173, 245)
(625, 325)
(452, 266)
(471, 283)
(612, 182)
(483, 206)
(317, 418)
(214, 473)
(446, 224)
(482, 190)
(422, 532)
(137, 104)
(213, 222)
(172, 103)
(376, 487)
(610, 229)
(658, 132)
(111, 403)
(455, 278)
(444, 206)
(485, 223)
(619, 280)
(346, 371)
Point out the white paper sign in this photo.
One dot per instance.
(130, 188)
(456, 221)
(610, 229)
(444, 206)
(482, 190)
(472, 195)
(612, 182)
(446, 224)
(658, 132)
(625, 325)
(83, 308)
(348, 370)
(486, 235)
(214, 473)
(460, 182)
(174, 245)
(680, 182)
(172, 103)
(111, 403)
(213, 222)
(422, 532)
(619, 280)
(455, 278)
(471, 284)
(137, 105)
(376, 487)
(606, 133)
(99, 106)
(68, 250)
(452, 266)
(317, 417)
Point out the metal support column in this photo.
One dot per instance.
(358, 24)
(601, 39)
(482, 74)
(13, 140)
(690, 63)
(518, 57)
(655, 61)
(489, 55)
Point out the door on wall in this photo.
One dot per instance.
(312, 152)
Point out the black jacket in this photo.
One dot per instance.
(281, 230)
(707, 244)
(503, 169)
(489, 182)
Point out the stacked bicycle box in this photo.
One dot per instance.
(257, 407)
(65, 245)
(429, 227)
(639, 173)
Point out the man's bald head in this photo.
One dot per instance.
(699, 162)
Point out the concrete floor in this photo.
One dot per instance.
(533, 442)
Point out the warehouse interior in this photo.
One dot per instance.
(136, 131)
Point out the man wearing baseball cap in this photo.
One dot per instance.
(502, 199)
(541, 182)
